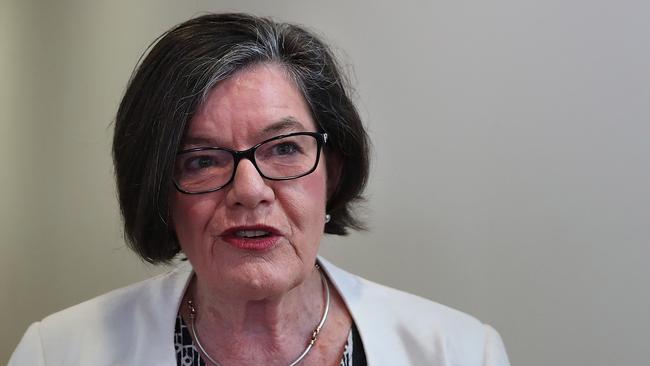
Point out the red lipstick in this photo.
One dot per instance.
(252, 237)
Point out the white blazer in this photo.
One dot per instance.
(134, 325)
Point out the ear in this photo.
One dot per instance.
(334, 169)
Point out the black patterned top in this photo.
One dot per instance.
(188, 355)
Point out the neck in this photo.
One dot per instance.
(277, 324)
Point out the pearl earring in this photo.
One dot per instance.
(327, 218)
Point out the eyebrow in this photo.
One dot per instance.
(285, 125)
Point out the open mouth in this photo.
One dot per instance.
(252, 234)
(255, 238)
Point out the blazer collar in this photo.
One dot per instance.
(376, 327)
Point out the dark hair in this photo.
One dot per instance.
(175, 77)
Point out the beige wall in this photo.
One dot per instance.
(511, 168)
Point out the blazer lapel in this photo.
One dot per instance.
(378, 328)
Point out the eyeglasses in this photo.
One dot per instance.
(208, 169)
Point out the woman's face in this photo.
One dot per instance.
(220, 232)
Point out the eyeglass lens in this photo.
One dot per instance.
(211, 168)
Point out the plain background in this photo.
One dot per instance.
(511, 163)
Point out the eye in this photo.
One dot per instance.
(286, 148)
(204, 161)
(200, 162)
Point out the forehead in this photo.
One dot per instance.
(251, 105)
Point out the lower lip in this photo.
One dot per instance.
(252, 244)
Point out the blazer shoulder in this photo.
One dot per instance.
(120, 302)
(369, 296)
(438, 333)
(404, 328)
(417, 311)
(93, 329)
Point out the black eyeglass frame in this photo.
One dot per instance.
(321, 140)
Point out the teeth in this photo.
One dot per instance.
(251, 233)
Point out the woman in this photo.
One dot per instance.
(237, 145)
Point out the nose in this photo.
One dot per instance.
(248, 188)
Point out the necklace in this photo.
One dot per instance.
(310, 344)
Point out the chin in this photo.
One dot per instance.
(258, 280)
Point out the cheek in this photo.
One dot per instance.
(305, 202)
(190, 214)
